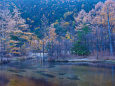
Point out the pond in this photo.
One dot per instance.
(33, 73)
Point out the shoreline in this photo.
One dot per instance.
(74, 60)
(89, 61)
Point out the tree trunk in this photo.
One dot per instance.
(43, 52)
(97, 44)
(109, 32)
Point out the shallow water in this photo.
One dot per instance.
(33, 73)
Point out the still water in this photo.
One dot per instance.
(33, 73)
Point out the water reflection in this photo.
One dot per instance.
(31, 73)
(113, 75)
(17, 81)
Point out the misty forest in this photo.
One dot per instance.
(57, 42)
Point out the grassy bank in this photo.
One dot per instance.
(84, 59)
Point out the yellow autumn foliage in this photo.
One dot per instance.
(12, 41)
(25, 37)
(15, 48)
(67, 35)
(15, 52)
(56, 23)
(21, 26)
(27, 33)
(17, 31)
